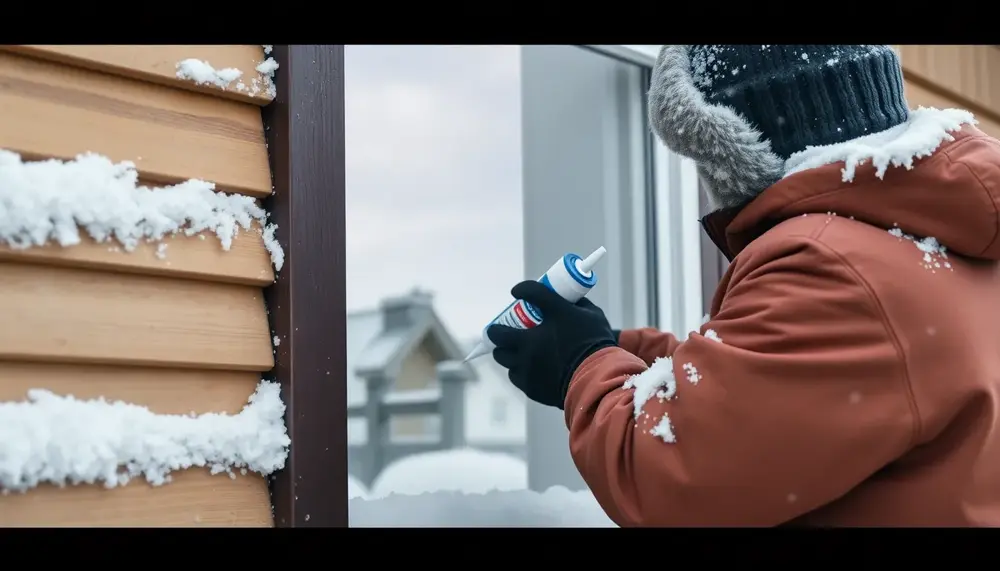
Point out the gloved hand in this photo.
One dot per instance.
(541, 360)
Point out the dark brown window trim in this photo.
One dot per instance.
(304, 127)
(713, 263)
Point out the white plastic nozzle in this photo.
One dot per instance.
(590, 261)
(480, 350)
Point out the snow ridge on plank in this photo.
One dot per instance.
(61, 440)
(59, 202)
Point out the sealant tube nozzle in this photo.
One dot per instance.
(480, 350)
(590, 261)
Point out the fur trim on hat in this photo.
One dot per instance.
(734, 163)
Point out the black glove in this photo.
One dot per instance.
(541, 360)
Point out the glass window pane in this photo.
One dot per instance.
(586, 143)
(458, 157)
(434, 244)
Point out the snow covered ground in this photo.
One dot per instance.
(466, 488)
(556, 507)
(466, 470)
(355, 489)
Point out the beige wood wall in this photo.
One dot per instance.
(185, 333)
(955, 76)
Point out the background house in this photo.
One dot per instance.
(402, 342)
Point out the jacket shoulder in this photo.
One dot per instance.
(809, 240)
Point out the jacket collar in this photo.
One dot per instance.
(715, 225)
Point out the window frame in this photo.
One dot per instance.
(686, 275)
(655, 278)
(304, 130)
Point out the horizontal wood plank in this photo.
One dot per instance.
(970, 72)
(53, 314)
(60, 111)
(195, 257)
(163, 391)
(194, 498)
(158, 64)
(920, 96)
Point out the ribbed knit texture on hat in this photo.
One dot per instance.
(804, 95)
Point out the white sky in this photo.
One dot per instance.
(434, 177)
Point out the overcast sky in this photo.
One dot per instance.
(434, 177)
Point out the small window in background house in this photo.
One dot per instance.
(498, 412)
(432, 426)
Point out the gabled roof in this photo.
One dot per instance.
(379, 345)
(362, 328)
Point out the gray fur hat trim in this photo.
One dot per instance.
(734, 163)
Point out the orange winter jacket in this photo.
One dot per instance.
(849, 374)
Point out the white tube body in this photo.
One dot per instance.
(564, 278)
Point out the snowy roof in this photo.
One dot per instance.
(362, 328)
(381, 350)
(378, 340)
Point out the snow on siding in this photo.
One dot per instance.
(201, 72)
(49, 201)
(61, 440)
(267, 68)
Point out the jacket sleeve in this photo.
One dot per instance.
(648, 343)
(794, 394)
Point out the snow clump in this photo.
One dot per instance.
(62, 440)
(51, 200)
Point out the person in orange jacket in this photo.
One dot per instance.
(849, 374)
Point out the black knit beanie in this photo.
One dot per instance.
(804, 95)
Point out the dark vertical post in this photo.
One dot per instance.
(453, 378)
(713, 263)
(304, 127)
(377, 420)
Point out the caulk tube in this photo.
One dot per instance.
(572, 277)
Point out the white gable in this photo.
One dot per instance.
(482, 398)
